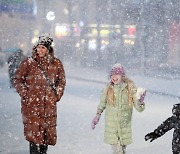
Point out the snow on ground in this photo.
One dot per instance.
(75, 113)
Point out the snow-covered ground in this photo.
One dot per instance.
(75, 113)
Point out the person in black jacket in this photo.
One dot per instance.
(168, 124)
(14, 61)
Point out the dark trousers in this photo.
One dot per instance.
(37, 149)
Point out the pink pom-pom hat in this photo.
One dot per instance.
(117, 69)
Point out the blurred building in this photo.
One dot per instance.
(161, 27)
(147, 31)
(24, 20)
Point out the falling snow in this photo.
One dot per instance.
(89, 37)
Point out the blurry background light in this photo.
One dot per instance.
(81, 23)
(65, 10)
(36, 32)
(77, 45)
(50, 16)
(60, 30)
(34, 40)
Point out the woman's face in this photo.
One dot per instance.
(41, 51)
(116, 79)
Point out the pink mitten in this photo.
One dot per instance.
(95, 121)
(142, 97)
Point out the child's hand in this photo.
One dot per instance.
(142, 97)
(95, 121)
(140, 94)
(151, 136)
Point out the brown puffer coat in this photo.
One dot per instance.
(38, 100)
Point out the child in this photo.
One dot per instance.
(118, 98)
(168, 124)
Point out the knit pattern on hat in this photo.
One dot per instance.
(45, 40)
(117, 69)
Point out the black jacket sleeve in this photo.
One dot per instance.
(167, 125)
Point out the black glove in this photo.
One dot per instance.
(151, 136)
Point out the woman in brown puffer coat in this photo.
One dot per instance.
(40, 82)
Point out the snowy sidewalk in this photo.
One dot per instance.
(158, 85)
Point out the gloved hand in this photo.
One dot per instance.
(151, 136)
(140, 95)
(95, 121)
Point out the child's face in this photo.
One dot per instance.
(41, 51)
(116, 79)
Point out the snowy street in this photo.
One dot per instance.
(75, 113)
(73, 50)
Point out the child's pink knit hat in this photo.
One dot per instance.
(117, 69)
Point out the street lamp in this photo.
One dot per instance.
(50, 16)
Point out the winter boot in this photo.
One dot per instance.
(43, 149)
(119, 149)
(34, 148)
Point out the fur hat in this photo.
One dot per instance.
(45, 40)
(117, 69)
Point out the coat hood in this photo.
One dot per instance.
(176, 110)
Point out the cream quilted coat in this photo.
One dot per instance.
(118, 116)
